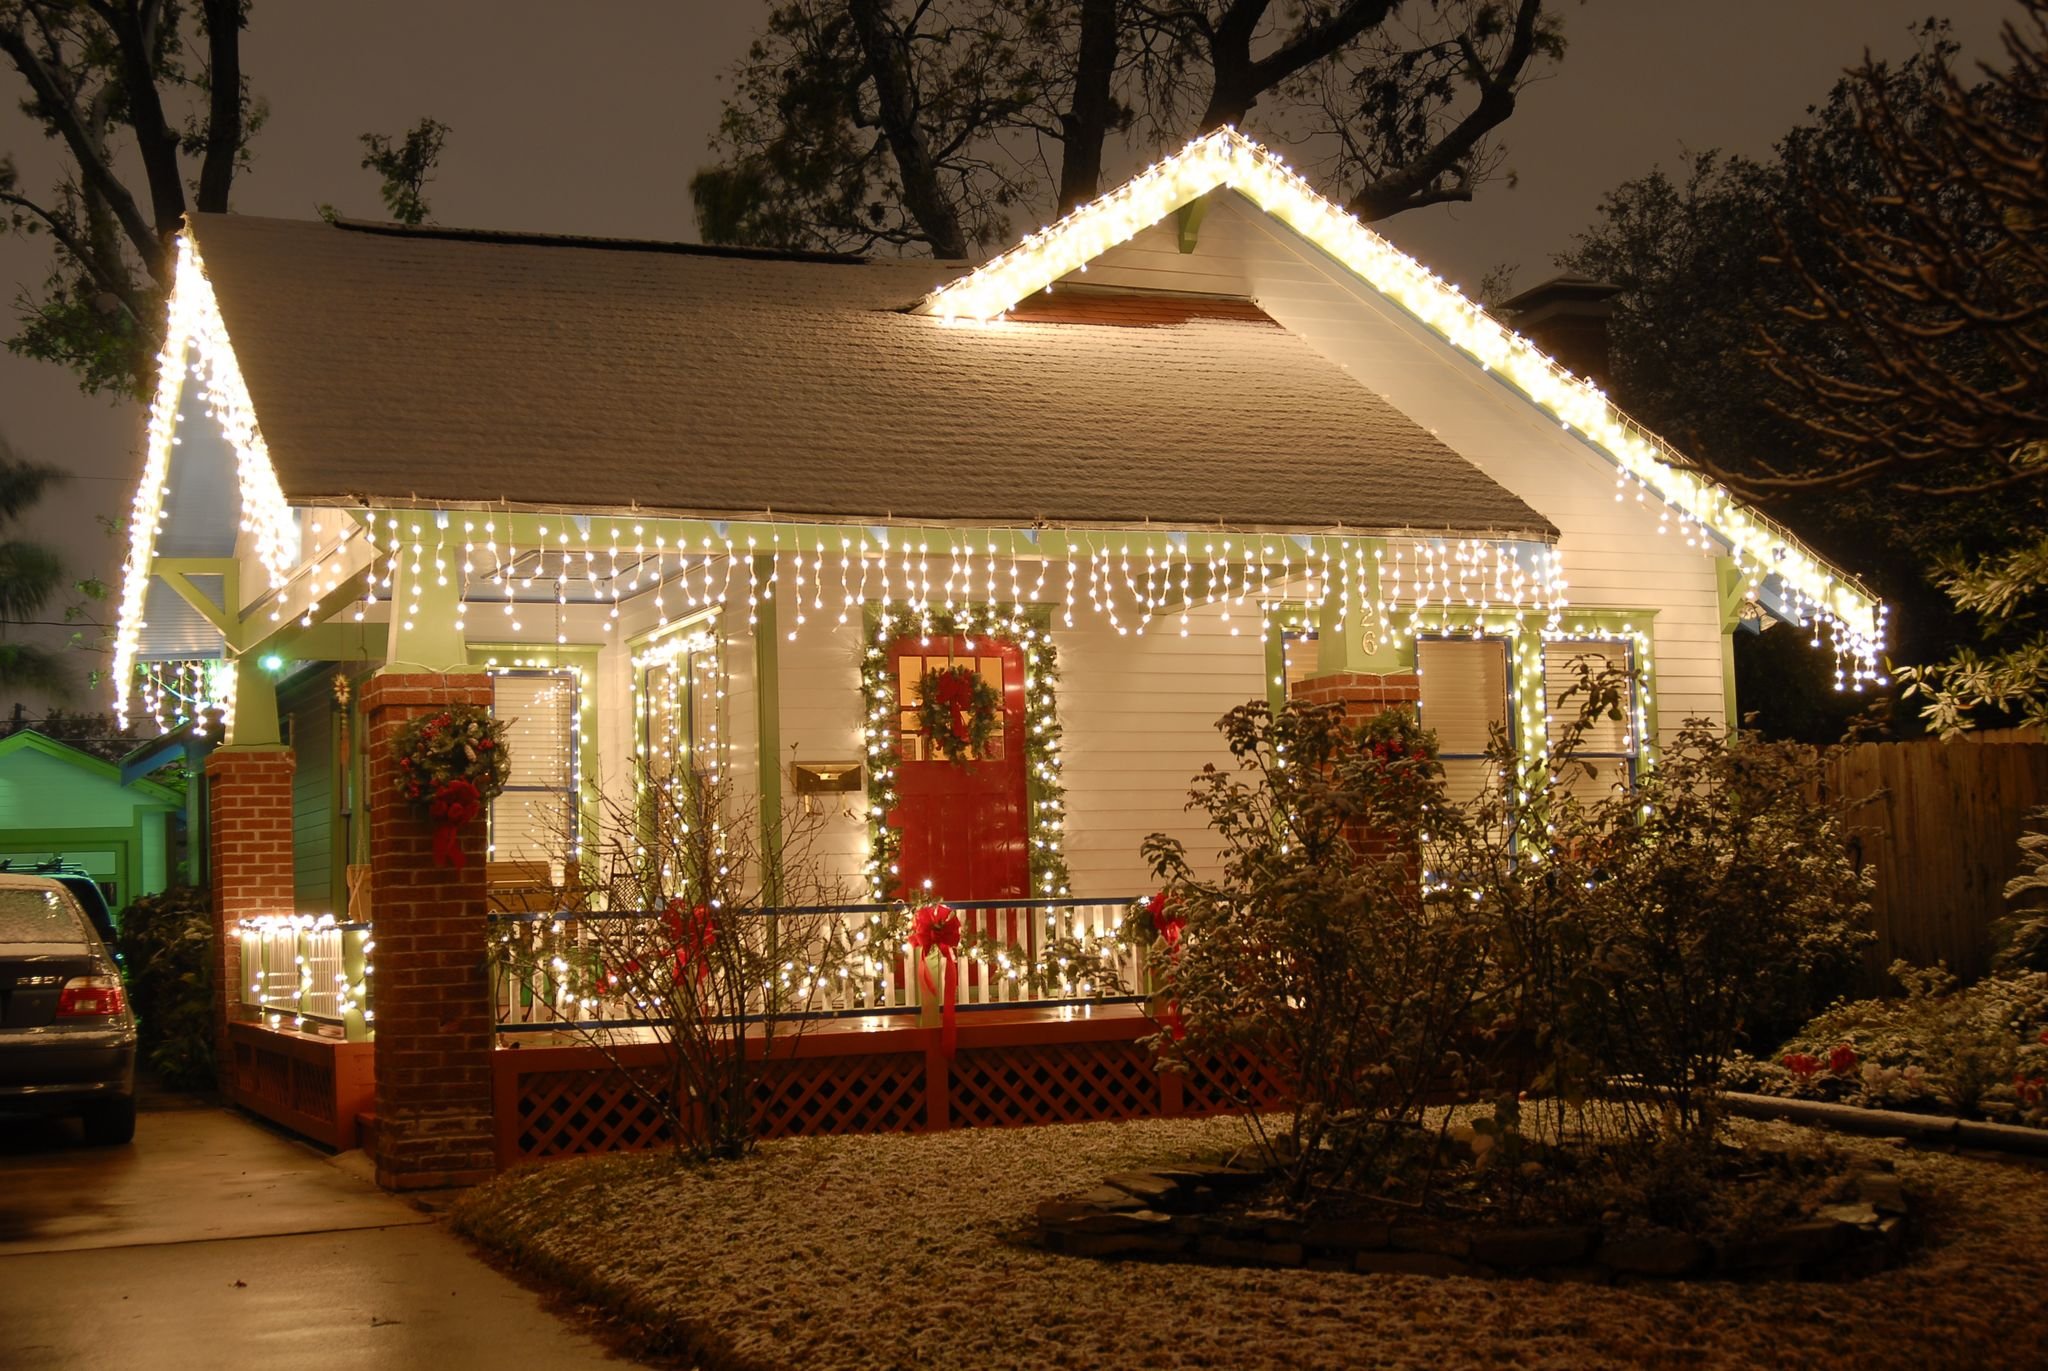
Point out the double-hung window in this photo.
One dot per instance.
(1608, 750)
(1464, 699)
(534, 820)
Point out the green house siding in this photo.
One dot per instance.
(56, 801)
(313, 790)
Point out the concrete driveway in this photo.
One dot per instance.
(212, 1242)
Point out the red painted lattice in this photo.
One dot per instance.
(878, 1093)
(1004, 1087)
(567, 1113)
(1231, 1081)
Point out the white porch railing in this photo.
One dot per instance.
(299, 969)
(551, 970)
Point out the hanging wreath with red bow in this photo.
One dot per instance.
(451, 764)
(959, 712)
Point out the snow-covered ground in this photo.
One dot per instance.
(905, 1251)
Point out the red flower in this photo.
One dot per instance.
(1164, 924)
(1802, 1064)
(1842, 1060)
(2029, 1088)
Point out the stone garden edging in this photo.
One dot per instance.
(1171, 1213)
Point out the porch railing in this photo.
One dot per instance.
(300, 971)
(550, 971)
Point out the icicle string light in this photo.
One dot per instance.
(1227, 158)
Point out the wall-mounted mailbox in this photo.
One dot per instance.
(824, 778)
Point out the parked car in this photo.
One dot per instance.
(82, 886)
(67, 1038)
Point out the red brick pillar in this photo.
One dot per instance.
(1362, 693)
(429, 993)
(249, 868)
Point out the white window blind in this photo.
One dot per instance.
(534, 817)
(1607, 751)
(1464, 698)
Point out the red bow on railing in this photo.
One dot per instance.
(691, 931)
(956, 692)
(455, 803)
(1167, 924)
(939, 927)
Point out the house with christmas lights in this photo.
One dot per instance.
(679, 510)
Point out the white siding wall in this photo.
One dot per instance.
(1614, 556)
(1140, 716)
(819, 679)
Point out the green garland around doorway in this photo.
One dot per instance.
(1030, 629)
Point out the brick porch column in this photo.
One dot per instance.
(430, 995)
(1362, 693)
(248, 865)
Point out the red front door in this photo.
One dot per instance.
(962, 823)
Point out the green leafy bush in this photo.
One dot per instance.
(1390, 947)
(2020, 939)
(1319, 946)
(1979, 1051)
(167, 944)
(1720, 895)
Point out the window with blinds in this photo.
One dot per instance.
(534, 820)
(1464, 698)
(1608, 749)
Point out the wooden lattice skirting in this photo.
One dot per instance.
(1010, 1070)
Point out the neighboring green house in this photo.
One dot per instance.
(56, 801)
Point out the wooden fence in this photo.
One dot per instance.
(1940, 837)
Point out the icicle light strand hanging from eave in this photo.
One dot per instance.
(196, 347)
(1227, 158)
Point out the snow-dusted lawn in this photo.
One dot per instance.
(900, 1252)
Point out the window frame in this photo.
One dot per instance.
(579, 664)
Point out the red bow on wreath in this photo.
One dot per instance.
(691, 931)
(455, 804)
(955, 690)
(1167, 924)
(939, 927)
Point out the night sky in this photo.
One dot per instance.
(597, 130)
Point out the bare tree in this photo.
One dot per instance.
(156, 80)
(855, 124)
(1933, 294)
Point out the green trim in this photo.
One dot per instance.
(768, 728)
(1734, 587)
(1188, 222)
(1637, 628)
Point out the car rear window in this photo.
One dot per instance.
(38, 916)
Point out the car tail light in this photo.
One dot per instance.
(86, 997)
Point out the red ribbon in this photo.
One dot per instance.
(455, 803)
(955, 691)
(1168, 928)
(691, 931)
(938, 926)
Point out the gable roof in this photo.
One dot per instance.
(437, 367)
(1226, 159)
(140, 791)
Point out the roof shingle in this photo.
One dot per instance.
(435, 368)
